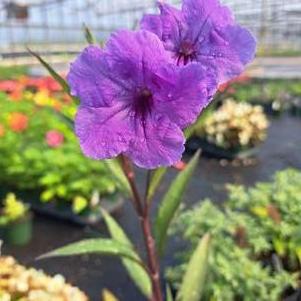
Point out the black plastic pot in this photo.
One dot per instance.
(296, 110)
(62, 209)
(269, 108)
(88, 217)
(213, 151)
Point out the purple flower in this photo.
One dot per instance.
(135, 101)
(203, 31)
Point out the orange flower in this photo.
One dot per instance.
(18, 122)
(2, 130)
(16, 95)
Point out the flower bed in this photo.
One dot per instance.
(42, 157)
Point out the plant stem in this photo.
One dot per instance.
(153, 263)
(142, 209)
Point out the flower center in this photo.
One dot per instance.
(186, 53)
(143, 102)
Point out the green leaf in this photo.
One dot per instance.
(195, 276)
(79, 204)
(136, 272)
(155, 181)
(88, 35)
(168, 293)
(172, 201)
(103, 246)
(117, 172)
(52, 72)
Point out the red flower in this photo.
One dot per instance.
(43, 83)
(54, 138)
(8, 86)
(18, 122)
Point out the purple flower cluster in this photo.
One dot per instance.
(140, 91)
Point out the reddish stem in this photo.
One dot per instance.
(142, 209)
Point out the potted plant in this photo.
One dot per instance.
(232, 131)
(15, 221)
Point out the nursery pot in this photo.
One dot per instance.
(18, 232)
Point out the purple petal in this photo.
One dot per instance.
(103, 132)
(86, 80)
(201, 13)
(169, 28)
(158, 143)
(184, 92)
(131, 53)
(228, 49)
(152, 23)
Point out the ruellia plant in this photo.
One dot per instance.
(136, 97)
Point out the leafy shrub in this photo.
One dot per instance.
(256, 240)
(56, 168)
(280, 94)
(13, 210)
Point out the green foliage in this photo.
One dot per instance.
(278, 93)
(12, 72)
(194, 279)
(136, 272)
(273, 211)
(52, 72)
(155, 181)
(13, 210)
(256, 240)
(88, 35)
(59, 173)
(103, 246)
(114, 167)
(171, 202)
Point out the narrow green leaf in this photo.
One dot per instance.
(171, 202)
(156, 178)
(114, 167)
(88, 35)
(52, 72)
(101, 246)
(168, 293)
(136, 272)
(195, 276)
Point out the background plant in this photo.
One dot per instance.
(12, 210)
(234, 126)
(58, 172)
(256, 240)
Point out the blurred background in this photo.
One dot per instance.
(55, 26)
(246, 188)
